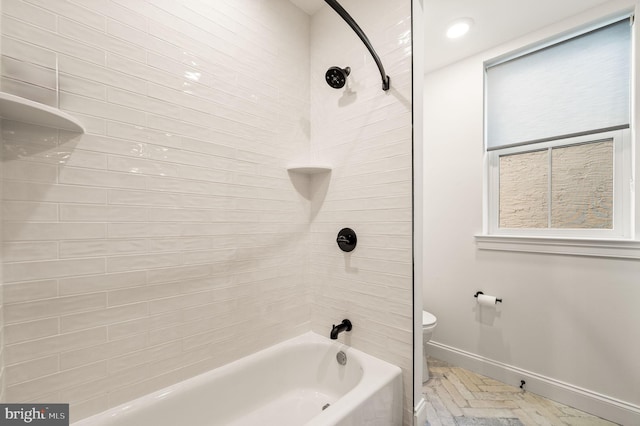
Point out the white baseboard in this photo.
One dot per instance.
(420, 413)
(608, 408)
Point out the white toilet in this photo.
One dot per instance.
(428, 324)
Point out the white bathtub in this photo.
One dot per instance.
(285, 385)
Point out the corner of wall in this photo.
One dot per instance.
(2, 378)
(365, 134)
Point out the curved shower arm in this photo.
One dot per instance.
(386, 80)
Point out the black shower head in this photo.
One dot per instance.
(337, 77)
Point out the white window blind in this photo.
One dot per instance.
(575, 87)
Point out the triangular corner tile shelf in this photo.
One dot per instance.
(16, 108)
(309, 169)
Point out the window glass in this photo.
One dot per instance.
(582, 186)
(524, 184)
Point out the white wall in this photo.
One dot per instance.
(169, 239)
(365, 134)
(570, 319)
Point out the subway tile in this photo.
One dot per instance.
(97, 108)
(142, 230)
(142, 198)
(107, 384)
(28, 191)
(186, 186)
(140, 294)
(77, 12)
(142, 166)
(178, 273)
(28, 291)
(143, 325)
(208, 256)
(219, 203)
(40, 94)
(165, 335)
(87, 407)
(27, 52)
(98, 38)
(182, 244)
(205, 174)
(127, 66)
(28, 73)
(50, 40)
(219, 145)
(178, 215)
(141, 102)
(70, 157)
(178, 68)
(100, 74)
(32, 349)
(106, 316)
(32, 310)
(16, 252)
(142, 134)
(139, 262)
(27, 134)
(31, 14)
(103, 282)
(177, 126)
(118, 14)
(145, 356)
(78, 176)
(96, 248)
(104, 351)
(179, 302)
(34, 388)
(83, 87)
(28, 271)
(31, 330)
(110, 145)
(28, 171)
(30, 231)
(95, 213)
(126, 31)
(92, 125)
(141, 36)
(30, 370)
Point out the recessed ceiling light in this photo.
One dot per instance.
(459, 27)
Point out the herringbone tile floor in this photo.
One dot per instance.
(457, 397)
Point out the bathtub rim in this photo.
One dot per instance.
(377, 374)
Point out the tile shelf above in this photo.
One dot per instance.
(309, 169)
(16, 108)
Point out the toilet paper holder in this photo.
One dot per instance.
(480, 292)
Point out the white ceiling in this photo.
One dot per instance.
(496, 21)
(309, 6)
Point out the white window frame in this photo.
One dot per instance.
(625, 247)
(622, 188)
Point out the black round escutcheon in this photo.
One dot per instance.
(347, 239)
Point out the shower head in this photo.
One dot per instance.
(337, 77)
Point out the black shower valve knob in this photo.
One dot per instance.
(347, 239)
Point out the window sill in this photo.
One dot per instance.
(621, 249)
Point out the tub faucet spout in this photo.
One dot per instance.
(337, 329)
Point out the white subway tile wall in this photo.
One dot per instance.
(366, 135)
(168, 239)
